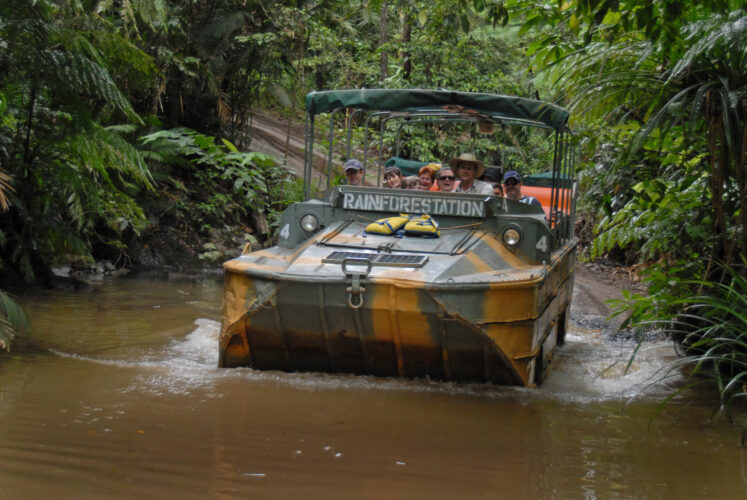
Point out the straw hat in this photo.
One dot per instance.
(468, 158)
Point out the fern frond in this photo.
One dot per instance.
(719, 39)
(82, 75)
(103, 150)
(13, 320)
(5, 187)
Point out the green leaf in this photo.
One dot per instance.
(229, 145)
(573, 24)
(611, 18)
(422, 17)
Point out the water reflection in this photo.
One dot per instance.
(117, 394)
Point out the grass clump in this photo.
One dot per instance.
(709, 327)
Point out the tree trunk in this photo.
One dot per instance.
(741, 175)
(384, 58)
(406, 36)
(715, 151)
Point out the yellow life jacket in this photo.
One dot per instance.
(389, 225)
(422, 226)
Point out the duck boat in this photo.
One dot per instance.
(483, 298)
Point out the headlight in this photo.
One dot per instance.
(309, 223)
(511, 237)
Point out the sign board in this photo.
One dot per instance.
(446, 204)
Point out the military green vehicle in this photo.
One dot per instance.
(484, 297)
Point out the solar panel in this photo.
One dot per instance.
(378, 259)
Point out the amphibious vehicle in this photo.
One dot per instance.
(483, 298)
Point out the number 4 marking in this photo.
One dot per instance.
(285, 231)
(542, 244)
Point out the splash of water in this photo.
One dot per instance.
(590, 367)
(586, 368)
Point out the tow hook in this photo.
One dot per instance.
(355, 271)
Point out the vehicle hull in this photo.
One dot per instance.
(492, 328)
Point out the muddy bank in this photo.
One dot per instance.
(596, 283)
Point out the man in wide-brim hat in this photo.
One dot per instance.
(468, 168)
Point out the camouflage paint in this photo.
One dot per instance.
(491, 327)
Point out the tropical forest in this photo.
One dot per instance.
(126, 134)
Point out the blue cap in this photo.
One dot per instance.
(511, 174)
(353, 164)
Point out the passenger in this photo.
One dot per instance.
(354, 172)
(427, 176)
(469, 168)
(446, 180)
(493, 176)
(393, 178)
(411, 182)
(512, 188)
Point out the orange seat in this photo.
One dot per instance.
(543, 195)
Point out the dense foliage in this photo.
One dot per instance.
(64, 126)
(661, 89)
(236, 185)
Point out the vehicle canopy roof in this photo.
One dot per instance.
(488, 107)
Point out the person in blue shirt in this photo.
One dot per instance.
(512, 189)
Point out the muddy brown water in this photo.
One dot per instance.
(115, 393)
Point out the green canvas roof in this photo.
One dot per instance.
(545, 179)
(492, 105)
(407, 167)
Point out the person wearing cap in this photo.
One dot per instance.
(469, 168)
(446, 180)
(512, 189)
(393, 177)
(354, 172)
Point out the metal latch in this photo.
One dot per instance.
(355, 271)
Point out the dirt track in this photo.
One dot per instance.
(593, 285)
(270, 135)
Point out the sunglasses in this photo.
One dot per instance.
(447, 178)
(511, 182)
